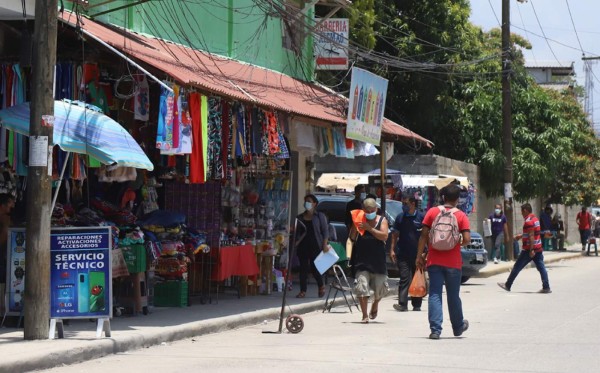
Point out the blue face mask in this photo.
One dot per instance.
(308, 205)
(371, 215)
(498, 211)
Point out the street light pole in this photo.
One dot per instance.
(507, 127)
(37, 254)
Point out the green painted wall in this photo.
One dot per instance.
(239, 29)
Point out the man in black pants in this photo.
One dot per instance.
(405, 238)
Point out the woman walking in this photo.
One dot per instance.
(312, 237)
(369, 257)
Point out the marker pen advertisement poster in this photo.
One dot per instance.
(368, 93)
(80, 274)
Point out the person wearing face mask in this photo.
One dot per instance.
(369, 258)
(356, 204)
(499, 231)
(311, 237)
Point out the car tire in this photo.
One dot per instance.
(464, 279)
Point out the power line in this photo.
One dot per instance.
(526, 32)
(574, 28)
(543, 33)
(495, 15)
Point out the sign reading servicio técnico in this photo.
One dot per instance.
(80, 275)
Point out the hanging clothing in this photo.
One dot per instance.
(305, 138)
(196, 161)
(142, 100)
(164, 131)
(215, 131)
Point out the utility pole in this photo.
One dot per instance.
(39, 188)
(589, 91)
(507, 127)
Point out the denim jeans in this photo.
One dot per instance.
(584, 234)
(522, 261)
(438, 276)
(407, 270)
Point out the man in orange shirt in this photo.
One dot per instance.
(583, 220)
(444, 267)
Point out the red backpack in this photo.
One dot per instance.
(444, 234)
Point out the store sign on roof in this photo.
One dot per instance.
(331, 43)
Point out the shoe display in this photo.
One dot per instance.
(434, 336)
(503, 286)
(465, 327)
(545, 291)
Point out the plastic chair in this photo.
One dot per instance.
(340, 284)
(592, 241)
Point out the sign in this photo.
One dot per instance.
(331, 44)
(38, 151)
(15, 276)
(80, 273)
(47, 121)
(366, 106)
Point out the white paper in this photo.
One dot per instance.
(325, 260)
(38, 151)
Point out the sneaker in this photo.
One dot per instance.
(545, 291)
(495, 260)
(400, 308)
(434, 336)
(465, 327)
(416, 308)
(503, 286)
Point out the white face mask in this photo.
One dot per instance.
(363, 196)
(308, 205)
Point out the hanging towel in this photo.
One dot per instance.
(164, 131)
(196, 161)
(305, 138)
(204, 115)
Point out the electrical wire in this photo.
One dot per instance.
(543, 33)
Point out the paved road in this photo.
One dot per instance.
(520, 331)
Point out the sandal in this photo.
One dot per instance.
(365, 320)
(301, 294)
(373, 314)
(321, 291)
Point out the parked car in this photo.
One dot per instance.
(334, 206)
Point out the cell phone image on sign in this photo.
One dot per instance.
(83, 293)
(96, 292)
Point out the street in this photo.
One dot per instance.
(520, 331)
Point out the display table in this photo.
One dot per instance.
(235, 261)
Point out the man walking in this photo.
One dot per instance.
(583, 220)
(444, 264)
(499, 231)
(403, 251)
(532, 250)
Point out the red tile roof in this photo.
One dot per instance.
(231, 78)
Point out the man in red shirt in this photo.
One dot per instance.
(532, 250)
(583, 220)
(444, 267)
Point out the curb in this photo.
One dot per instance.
(94, 349)
(508, 267)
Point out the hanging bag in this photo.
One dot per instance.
(444, 234)
(418, 286)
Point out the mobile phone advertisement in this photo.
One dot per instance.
(80, 276)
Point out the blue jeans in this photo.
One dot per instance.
(438, 276)
(522, 261)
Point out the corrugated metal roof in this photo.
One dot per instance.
(231, 78)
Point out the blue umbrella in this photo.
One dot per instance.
(83, 129)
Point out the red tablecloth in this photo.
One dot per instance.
(235, 261)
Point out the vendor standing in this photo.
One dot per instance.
(311, 237)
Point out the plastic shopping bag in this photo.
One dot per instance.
(418, 288)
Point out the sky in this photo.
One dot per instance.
(560, 29)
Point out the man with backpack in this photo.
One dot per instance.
(445, 229)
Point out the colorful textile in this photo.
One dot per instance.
(225, 138)
(204, 114)
(164, 131)
(214, 138)
(196, 162)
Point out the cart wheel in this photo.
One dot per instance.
(294, 324)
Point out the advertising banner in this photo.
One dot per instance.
(15, 277)
(366, 106)
(80, 274)
(331, 43)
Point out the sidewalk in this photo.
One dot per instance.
(169, 324)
